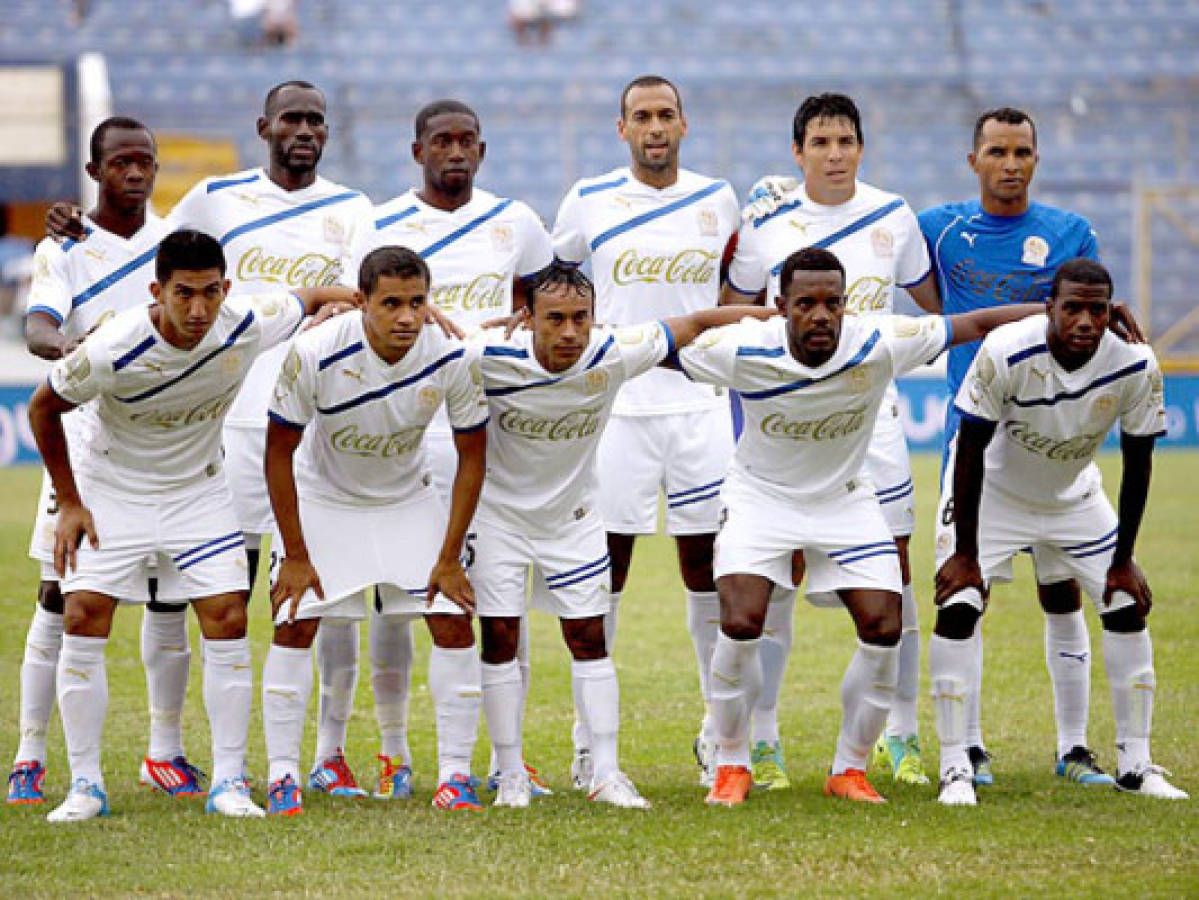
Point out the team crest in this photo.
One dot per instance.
(1102, 408)
(1157, 388)
(231, 363)
(708, 223)
(78, 367)
(42, 268)
(630, 336)
(883, 243)
(905, 327)
(289, 372)
(428, 398)
(859, 380)
(269, 307)
(597, 381)
(709, 339)
(502, 238)
(335, 231)
(1036, 251)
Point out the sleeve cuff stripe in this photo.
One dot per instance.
(287, 423)
(473, 428)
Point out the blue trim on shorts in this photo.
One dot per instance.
(886, 551)
(1105, 548)
(557, 586)
(1099, 540)
(850, 551)
(898, 492)
(602, 561)
(220, 545)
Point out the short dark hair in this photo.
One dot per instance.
(440, 108)
(649, 81)
(809, 259)
(558, 274)
(825, 106)
(187, 250)
(393, 262)
(96, 144)
(1081, 270)
(283, 85)
(1004, 115)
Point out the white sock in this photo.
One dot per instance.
(391, 651)
(501, 703)
(83, 703)
(166, 656)
(974, 728)
(951, 668)
(579, 735)
(457, 695)
(38, 670)
(773, 651)
(337, 664)
(736, 680)
(703, 622)
(610, 621)
(902, 720)
(286, 687)
(1128, 659)
(1068, 656)
(228, 693)
(599, 692)
(522, 662)
(867, 692)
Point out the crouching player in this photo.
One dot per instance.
(149, 491)
(550, 390)
(1038, 400)
(811, 384)
(356, 507)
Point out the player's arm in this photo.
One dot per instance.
(926, 295)
(1124, 574)
(314, 298)
(730, 296)
(46, 409)
(296, 572)
(685, 329)
(43, 338)
(64, 221)
(448, 577)
(977, 324)
(961, 571)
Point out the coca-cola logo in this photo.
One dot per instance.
(307, 270)
(488, 291)
(209, 410)
(829, 428)
(869, 293)
(1078, 447)
(1005, 287)
(575, 425)
(685, 267)
(383, 446)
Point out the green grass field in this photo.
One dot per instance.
(1032, 834)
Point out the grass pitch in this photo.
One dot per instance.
(1032, 834)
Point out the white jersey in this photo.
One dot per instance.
(273, 240)
(159, 408)
(807, 429)
(874, 234)
(655, 253)
(546, 426)
(1051, 421)
(366, 419)
(473, 252)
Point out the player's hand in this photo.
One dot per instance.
(74, 521)
(296, 577)
(767, 195)
(328, 311)
(64, 221)
(518, 319)
(1129, 578)
(449, 578)
(442, 321)
(1124, 325)
(959, 572)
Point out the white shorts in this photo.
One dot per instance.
(41, 542)
(844, 538)
(1072, 542)
(684, 454)
(244, 449)
(570, 571)
(354, 547)
(189, 540)
(888, 466)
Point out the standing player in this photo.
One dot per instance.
(358, 508)
(1004, 248)
(812, 384)
(76, 286)
(479, 249)
(877, 238)
(655, 234)
(151, 492)
(284, 227)
(1039, 399)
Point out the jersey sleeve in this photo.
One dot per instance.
(280, 314)
(932, 223)
(983, 391)
(915, 340)
(569, 239)
(712, 357)
(189, 212)
(748, 272)
(293, 402)
(50, 292)
(912, 262)
(83, 374)
(643, 346)
(536, 248)
(465, 400)
(1144, 411)
(1088, 242)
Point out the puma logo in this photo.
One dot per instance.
(969, 238)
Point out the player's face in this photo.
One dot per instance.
(394, 313)
(126, 170)
(813, 303)
(561, 326)
(190, 301)
(653, 126)
(1004, 161)
(1078, 316)
(829, 158)
(450, 151)
(295, 129)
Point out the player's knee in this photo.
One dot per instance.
(585, 638)
(956, 621)
(1126, 620)
(620, 551)
(87, 615)
(297, 635)
(501, 638)
(1060, 598)
(49, 597)
(881, 630)
(450, 632)
(223, 618)
(741, 624)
